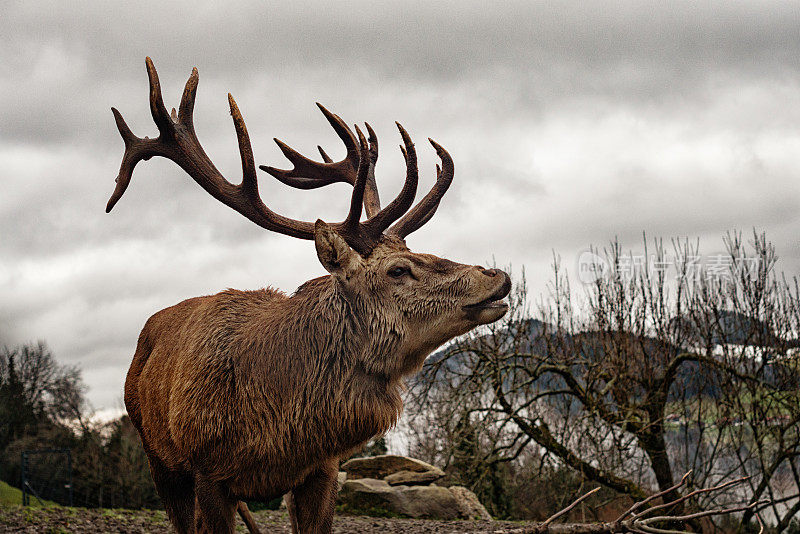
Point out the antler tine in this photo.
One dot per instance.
(351, 143)
(310, 174)
(372, 201)
(157, 108)
(253, 207)
(381, 221)
(249, 184)
(304, 181)
(351, 224)
(325, 157)
(186, 108)
(373, 144)
(135, 150)
(425, 208)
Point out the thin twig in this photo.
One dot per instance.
(697, 515)
(566, 510)
(690, 495)
(639, 523)
(639, 504)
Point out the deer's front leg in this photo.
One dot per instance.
(311, 503)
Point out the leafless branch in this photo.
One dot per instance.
(642, 522)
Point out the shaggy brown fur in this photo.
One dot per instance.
(248, 395)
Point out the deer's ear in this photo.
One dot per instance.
(334, 253)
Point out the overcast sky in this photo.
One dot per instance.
(568, 124)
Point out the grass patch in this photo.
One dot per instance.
(115, 514)
(11, 496)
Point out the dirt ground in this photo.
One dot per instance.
(80, 520)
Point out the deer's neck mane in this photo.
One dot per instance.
(332, 344)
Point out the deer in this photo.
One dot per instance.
(251, 395)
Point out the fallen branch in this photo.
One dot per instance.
(639, 521)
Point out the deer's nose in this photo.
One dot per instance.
(490, 272)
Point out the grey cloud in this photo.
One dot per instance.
(568, 125)
(393, 38)
(640, 52)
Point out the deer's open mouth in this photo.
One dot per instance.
(495, 300)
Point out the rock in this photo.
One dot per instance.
(404, 490)
(469, 506)
(376, 497)
(384, 465)
(413, 478)
(429, 502)
(371, 497)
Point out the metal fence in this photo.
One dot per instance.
(47, 476)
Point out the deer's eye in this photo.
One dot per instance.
(397, 272)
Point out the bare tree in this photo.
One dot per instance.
(660, 367)
(47, 389)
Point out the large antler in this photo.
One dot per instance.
(310, 174)
(178, 142)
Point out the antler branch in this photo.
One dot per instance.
(178, 142)
(425, 208)
(310, 174)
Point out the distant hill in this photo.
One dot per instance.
(592, 346)
(730, 327)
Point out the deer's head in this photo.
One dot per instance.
(413, 301)
(410, 303)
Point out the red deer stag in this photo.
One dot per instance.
(252, 394)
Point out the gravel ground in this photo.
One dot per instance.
(81, 520)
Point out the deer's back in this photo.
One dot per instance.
(184, 390)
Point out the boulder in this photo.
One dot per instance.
(371, 497)
(469, 506)
(429, 502)
(376, 497)
(398, 485)
(413, 478)
(384, 465)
